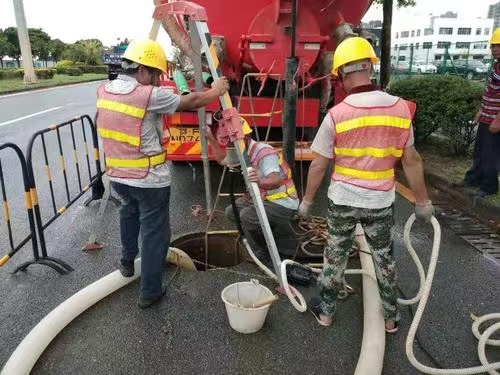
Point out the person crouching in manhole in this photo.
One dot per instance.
(274, 178)
(365, 135)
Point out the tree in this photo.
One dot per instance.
(57, 48)
(40, 44)
(385, 64)
(4, 47)
(88, 51)
(13, 49)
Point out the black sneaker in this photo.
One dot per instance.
(126, 271)
(145, 302)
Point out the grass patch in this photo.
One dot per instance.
(13, 85)
(451, 168)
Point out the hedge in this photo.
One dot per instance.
(19, 73)
(445, 103)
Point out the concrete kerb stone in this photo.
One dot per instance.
(466, 198)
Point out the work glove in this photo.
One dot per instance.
(424, 211)
(304, 208)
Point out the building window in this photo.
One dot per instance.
(395, 47)
(480, 46)
(428, 32)
(445, 30)
(478, 31)
(442, 45)
(397, 35)
(405, 34)
(417, 45)
(437, 57)
(486, 30)
(462, 45)
(427, 45)
(413, 33)
(418, 32)
(464, 31)
(403, 47)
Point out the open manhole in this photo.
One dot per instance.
(224, 249)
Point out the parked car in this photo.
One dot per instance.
(423, 67)
(420, 67)
(470, 69)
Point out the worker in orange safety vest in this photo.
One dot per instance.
(365, 135)
(270, 171)
(129, 121)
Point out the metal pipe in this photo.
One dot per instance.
(181, 83)
(294, 27)
(290, 114)
(198, 76)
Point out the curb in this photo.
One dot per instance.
(465, 198)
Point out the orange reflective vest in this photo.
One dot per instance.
(119, 123)
(287, 188)
(369, 141)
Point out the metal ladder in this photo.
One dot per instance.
(230, 124)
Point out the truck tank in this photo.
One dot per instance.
(253, 43)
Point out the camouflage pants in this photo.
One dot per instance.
(378, 226)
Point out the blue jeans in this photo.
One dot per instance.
(145, 210)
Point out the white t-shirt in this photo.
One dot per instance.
(344, 194)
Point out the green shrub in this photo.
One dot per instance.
(45, 73)
(99, 69)
(64, 64)
(74, 71)
(445, 103)
(11, 73)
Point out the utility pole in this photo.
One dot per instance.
(385, 63)
(24, 43)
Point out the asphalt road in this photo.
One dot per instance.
(188, 331)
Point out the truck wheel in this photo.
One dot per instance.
(470, 75)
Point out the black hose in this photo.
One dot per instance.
(236, 213)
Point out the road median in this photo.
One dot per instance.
(9, 86)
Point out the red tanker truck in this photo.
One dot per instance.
(254, 40)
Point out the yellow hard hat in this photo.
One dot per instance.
(495, 37)
(148, 53)
(245, 127)
(350, 50)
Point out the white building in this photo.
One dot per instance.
(464, 38)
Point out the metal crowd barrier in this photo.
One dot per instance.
(88, 132)
(14, 248)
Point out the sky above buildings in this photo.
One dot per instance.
(109, 20)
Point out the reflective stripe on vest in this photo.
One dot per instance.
(368, 143)
(119, 123)
(287, 189)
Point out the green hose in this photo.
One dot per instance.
(207, 78)
(181, 83)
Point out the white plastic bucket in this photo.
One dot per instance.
(237, 296)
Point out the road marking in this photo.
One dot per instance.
(29, 116)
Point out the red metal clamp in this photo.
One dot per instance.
(229, 127)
